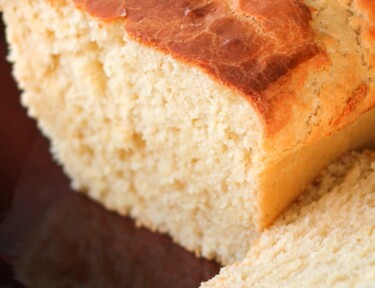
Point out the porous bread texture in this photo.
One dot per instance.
(327, 239)
(161, 141)
(135, 130)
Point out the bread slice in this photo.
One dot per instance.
(201, 119)
(325, 240)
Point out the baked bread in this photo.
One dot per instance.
(325, 240)
(201, 119)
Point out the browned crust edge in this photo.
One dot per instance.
(250, 46)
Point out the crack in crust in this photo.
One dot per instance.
(246, 45)
(358, 95)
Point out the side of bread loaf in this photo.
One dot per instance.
(327, 239)
(151, 132)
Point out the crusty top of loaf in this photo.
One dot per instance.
(248, 45)
(266, 50)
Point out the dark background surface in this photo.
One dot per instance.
(51, 236)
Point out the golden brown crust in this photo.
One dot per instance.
(271, 52)
(246, 45)
(369, 6)
(368, 27)
(355, 100)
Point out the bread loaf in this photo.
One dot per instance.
(200, 119)
(327, 239)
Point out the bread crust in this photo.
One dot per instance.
(265, 50)
(248, 46)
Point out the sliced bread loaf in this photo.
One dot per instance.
(202, 119)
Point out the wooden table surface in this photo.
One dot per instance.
(51, 236)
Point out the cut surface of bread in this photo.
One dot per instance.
(176, 138)
(327, 239)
